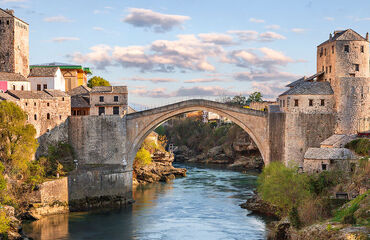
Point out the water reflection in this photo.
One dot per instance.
(204, 205)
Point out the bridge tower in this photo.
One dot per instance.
(343, 60)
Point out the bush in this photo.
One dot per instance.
(37, 173)
(4, 222)
(283, 186)
(294, 217)
(320, 183)
(360, 146)
(143, 157)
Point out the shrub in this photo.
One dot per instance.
(143, 157)
(294, 217)
(346, 213)
(282, 186)
(4, 222)
(360, 146)
(37, 173)
(320, 183)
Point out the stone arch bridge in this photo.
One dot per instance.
(105, 146)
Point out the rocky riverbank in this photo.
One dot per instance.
(240, 154)
(159, 170)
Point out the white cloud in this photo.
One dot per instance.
(98, 28)
(64, 39)
(158, 22)
(255, 20)
(273, 27)
(206, 80)
(154, 80)
(257, 59)
(261, 76)
(269, 90)
(299, 30)
(250, 35)
(100, 56)
(184, 92)
(329, 18)
(60, 18)
(216, 38)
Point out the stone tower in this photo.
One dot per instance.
(343, 61)
(14, 44)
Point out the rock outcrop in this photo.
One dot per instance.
(159, 170)
(258, 206)
(240, 154)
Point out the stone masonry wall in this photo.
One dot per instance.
(6, 43)
(21, 48)
(303, 104)
(303, 131)
(98, 139)
(276, 124)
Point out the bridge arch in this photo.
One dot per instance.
(140, 124)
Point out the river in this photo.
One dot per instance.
(203, 205)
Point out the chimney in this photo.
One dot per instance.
(10, 11)
(367, 36)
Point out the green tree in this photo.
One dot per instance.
(255, 97)
(283, 186)
(17, 138)
(97, 81)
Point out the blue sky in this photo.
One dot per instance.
(167, 50)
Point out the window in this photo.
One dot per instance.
(346, 48)
(62, 98)
(26, 103)
(322, 102)
(7, 22)
(48, 104)
(357, 67)
(283, 103)
(13, 87)
(325, 51)
(322, 68)
(35, 117)
(362, 49)
(45, 86)
(326, 70)
(48, 116)
(116, 98)
(324, 166)
(101, 99)
(330, 69)
(310, 102)
(332, 49)
(321, 50)
(34, 104)
(22, 88)
(116, 110)
(295, 102)
(60, 117)
(101, 110)
(38, 87)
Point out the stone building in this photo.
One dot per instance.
(46, 78)
(341, 85)
(74, 75)
(14, 43)
(101, 100)
(261, 106)
(328, 159)
(13, 81)
(45, 109)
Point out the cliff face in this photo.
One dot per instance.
(238, 153)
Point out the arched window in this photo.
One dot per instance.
(48, 116)
(22, 88)
(13, 87)
(35, 117)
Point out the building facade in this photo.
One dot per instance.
(101, 100)
(46, 78)
(14, 44)
(341, 85)
(74, 75)
(45, 109)
(13, 81)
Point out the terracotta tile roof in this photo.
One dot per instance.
(80, 102)
(80, 90)
(109, 89)
(310, 88)
(5, 76)
(43, 72)
(329, 153)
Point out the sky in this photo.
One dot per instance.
(171, 50)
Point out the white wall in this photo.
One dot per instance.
(56, 82)
(18, 85)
